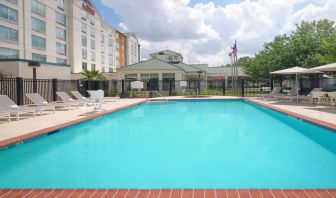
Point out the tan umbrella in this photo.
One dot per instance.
(326, 68)
(296, 71)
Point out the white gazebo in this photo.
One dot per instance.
(326, 68)
(296, 71)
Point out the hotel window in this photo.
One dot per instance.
(38, 8)
(92, 19)
(84, 66)
(8, 14)
(38, 25)
(92, 32)
(93, 45)
(110, 41)
(93, 56)
(60, 18)
(9, 35)
(93, 66)
(110, 51)
(61, 61)
(83, 14)
(13, 1)
(102, 59)
(84, 41)
(117, 46)
(39, 57)
(84, 54)
(110, 69)
(60, 33)
(6, 53)
(102, 46)
(60, 4)
(38, 42)
(111, 60)
(102, 38)
(84, 27)
(60, 48)
(103, 69)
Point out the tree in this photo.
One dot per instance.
(93, 75)
(311, 44)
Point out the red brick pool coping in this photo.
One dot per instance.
(171, 193)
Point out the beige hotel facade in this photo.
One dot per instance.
(66, 36)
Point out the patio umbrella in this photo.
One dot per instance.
(327, 68)
(296, 71)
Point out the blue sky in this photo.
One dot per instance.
(206, 32)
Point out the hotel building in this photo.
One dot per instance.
(67, 37)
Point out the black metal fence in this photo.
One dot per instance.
(17, 88)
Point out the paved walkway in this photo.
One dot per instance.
(322, 113)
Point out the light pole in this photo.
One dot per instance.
(34, 65)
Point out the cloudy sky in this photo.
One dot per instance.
(203, 31)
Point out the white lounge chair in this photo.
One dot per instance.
(39, 101)
(332, 96)
(67, 99)
(5, 114)
(8, 106)
(112, 99)
(80, 97)
(291, 95)
(308, 97)
(275, 92)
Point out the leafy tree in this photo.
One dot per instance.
(311, 44)
(93, 75)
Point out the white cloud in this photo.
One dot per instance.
(204, 32)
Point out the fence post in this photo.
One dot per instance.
(122, 87)
(272, 82)
(223, 87)
(19, 91)
(170, 87)
(242, 87)
(54, 89)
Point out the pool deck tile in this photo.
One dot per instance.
(210, 193)
(143, 193)
(170, 193)
(220, 193)
(199, 193)
(165, 193)
(232, 193)
(176, 193)
(154, 193)
(187, 193)
(255, 193)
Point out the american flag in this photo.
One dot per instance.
(234, 51)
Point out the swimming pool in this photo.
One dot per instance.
(178, 144)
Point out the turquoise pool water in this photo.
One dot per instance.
(190, 144)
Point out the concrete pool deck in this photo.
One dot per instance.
(29, 127)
